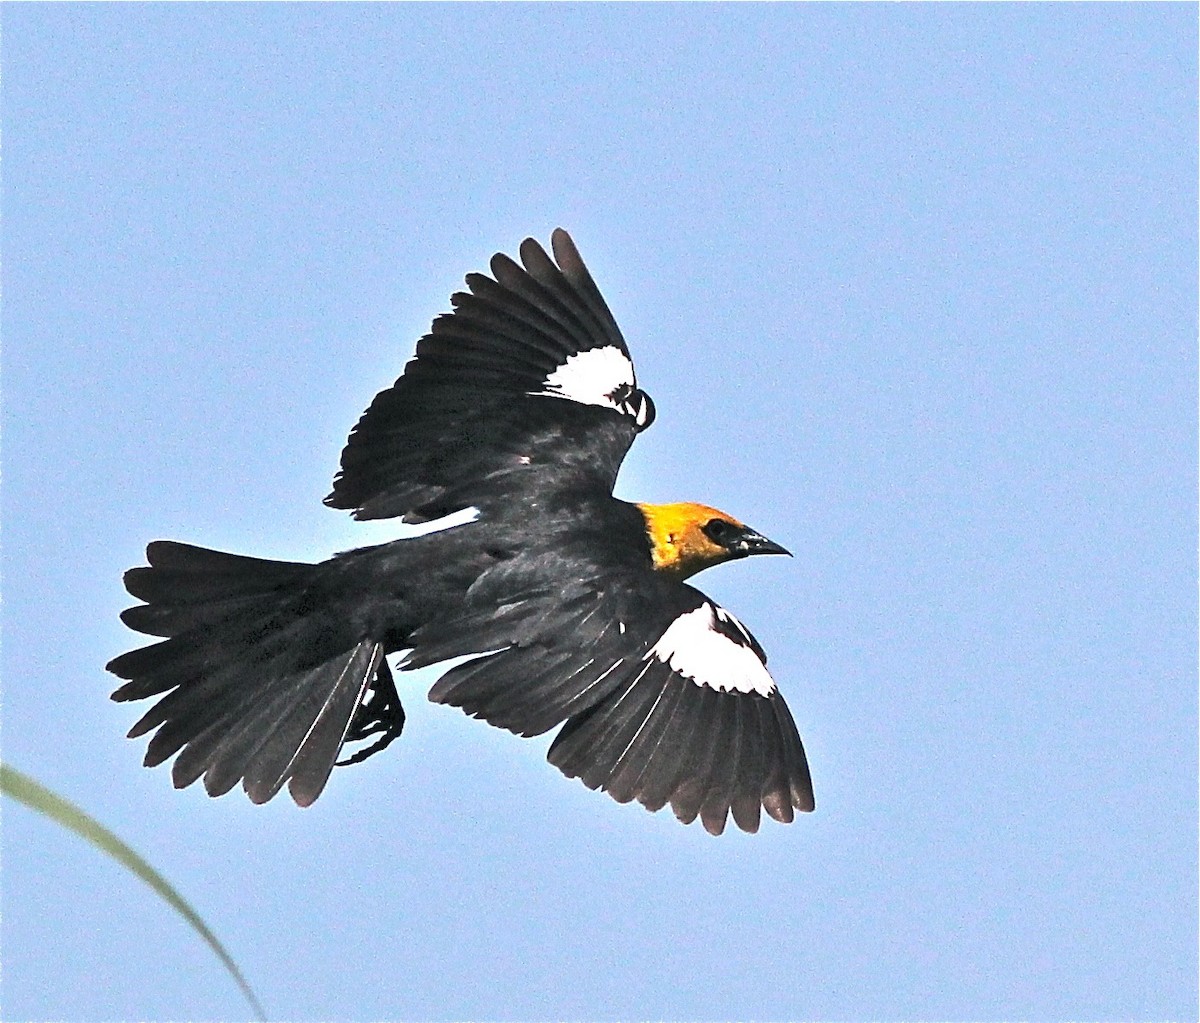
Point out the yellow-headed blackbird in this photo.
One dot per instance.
(521, 404)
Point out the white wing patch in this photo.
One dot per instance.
(592, 378)
(695, 646)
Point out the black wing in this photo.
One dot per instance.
(665, 696)
(526, 387)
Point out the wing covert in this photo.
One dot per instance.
(527, 384)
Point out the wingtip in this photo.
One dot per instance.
(565, 252)
(714, 820)
(501, 264)
(532, 255)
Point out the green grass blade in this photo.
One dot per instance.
(37, 797)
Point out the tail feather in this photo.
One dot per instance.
(199, 703)
(182, 574)
(305, 741)
(172, 619)
(217, 753)
(219, 656)
(309, 770)
(221, 752)
(260, 675)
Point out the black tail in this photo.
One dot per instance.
(265, 679)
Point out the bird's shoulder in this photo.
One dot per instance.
(579, 574)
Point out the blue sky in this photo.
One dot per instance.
(914, 291)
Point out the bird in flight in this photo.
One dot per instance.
(570, 605)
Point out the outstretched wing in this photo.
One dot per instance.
(527, 386)
(665, 697)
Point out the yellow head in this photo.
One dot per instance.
(686, 538)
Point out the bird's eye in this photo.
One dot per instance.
(719, 531)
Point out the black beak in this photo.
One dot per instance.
(749, 542)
